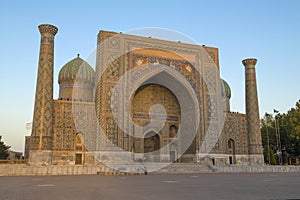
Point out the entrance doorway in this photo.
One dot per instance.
(172, 156)
(231, 151)
(79, 150)
(78, 159)
(230, 160)
(152, 147)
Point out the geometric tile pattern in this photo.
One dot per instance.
(252, 111)
(43, 108)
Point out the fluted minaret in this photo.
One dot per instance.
(42, 128)
(252, 111)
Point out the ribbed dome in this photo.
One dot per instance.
(226, 89)
(76, 69)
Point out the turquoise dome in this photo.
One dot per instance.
(76, 69)
(227, 89)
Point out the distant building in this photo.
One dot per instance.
(13, 155)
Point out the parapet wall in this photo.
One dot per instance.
(255, 169)
(25, 170)
(175, 168)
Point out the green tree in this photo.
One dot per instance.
(269, 139)
(3, 149)
(291, 130)
(281, 133)
(294, 120)
(269, 156)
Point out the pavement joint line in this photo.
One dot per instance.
(45, 185)
(171, 181)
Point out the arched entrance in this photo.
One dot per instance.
(166, 88)
(231, 151)
(79, 150)
(147, 96)
(173, 147)
(152, 147)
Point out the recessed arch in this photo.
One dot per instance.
(152, 142)
(183, 91)
(79, 149)
(231, 151)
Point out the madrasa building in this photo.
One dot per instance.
(147, 100)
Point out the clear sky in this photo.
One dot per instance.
(266, 30)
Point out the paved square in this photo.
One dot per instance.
(167, 187)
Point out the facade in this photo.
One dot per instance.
(66, 130)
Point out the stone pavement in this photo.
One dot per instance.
(163, 186)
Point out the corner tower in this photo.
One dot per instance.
(252, 111)
(42, 126)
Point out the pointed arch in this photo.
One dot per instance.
(152, 142)
(231, 151)
(79, 148)
(185, 95)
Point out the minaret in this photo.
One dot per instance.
(42, 128)
(252, 111)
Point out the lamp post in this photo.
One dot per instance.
(278, 140)
(268, 138)
(268, 142)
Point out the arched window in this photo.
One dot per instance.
(230, 144)
(79, 149)
(78, 140)
(79, 145)
(173, 131)
(231, 151)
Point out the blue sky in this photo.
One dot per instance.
(266, 30)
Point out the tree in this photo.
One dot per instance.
(281, 135)
(269, 155)
(269, 139)
(291, 128)
(3, 149)
(294, 120)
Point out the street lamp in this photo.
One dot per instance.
(268, 139)
(278, 140)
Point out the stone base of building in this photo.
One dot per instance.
(43, 157)
(224, 159)
(40, 157)
(178, 168)
(256, 159)
(72, 158)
